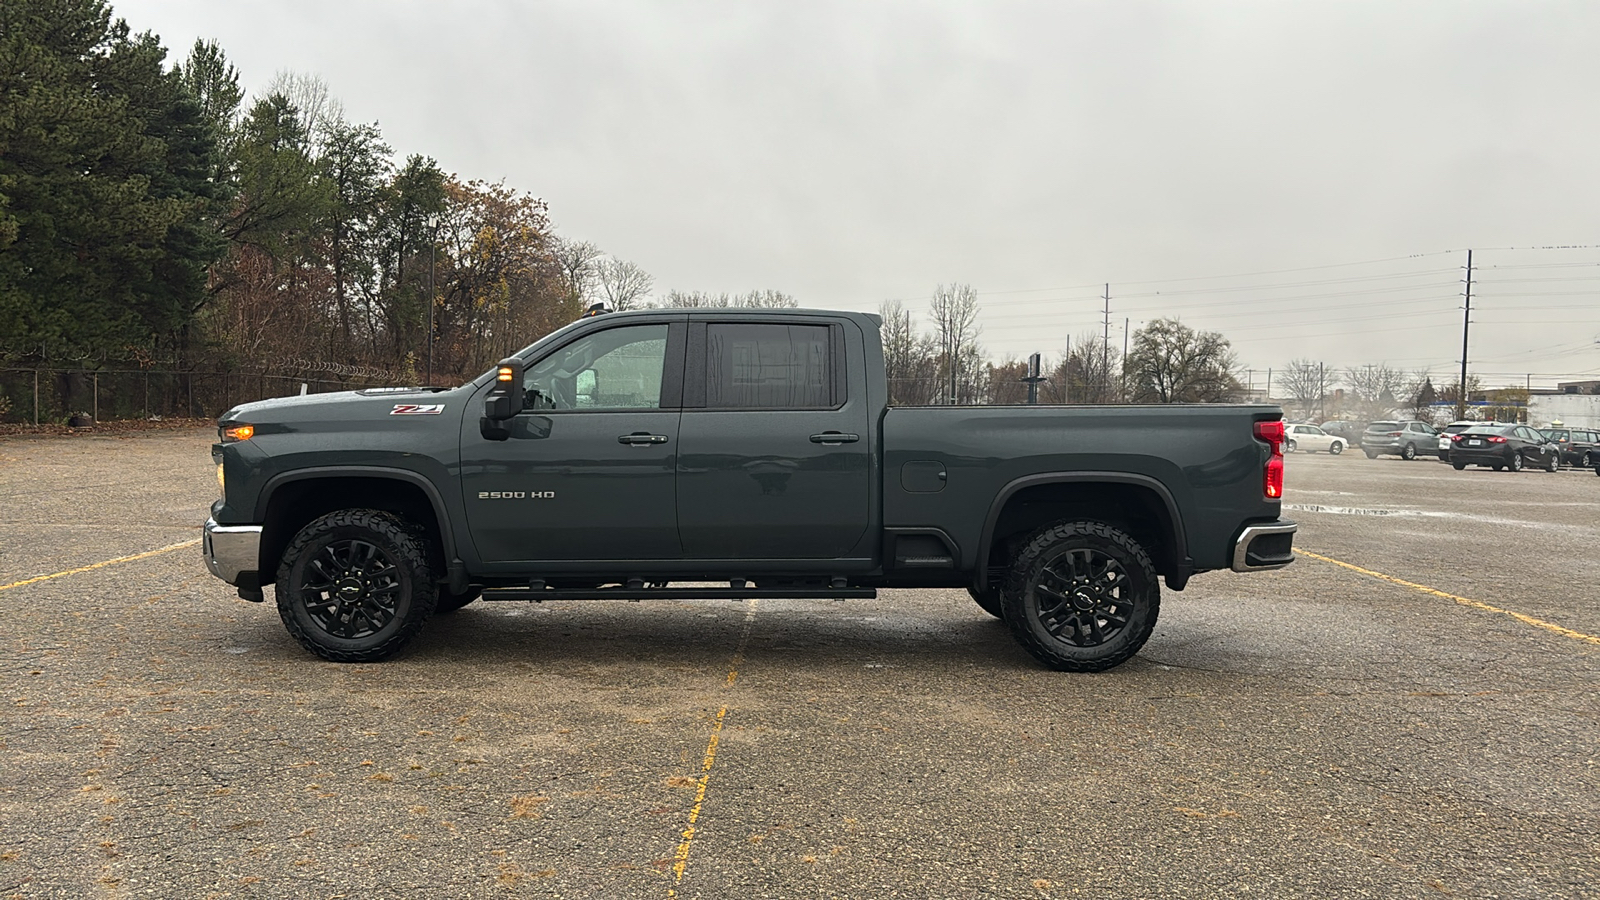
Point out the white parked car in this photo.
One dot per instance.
(1451, 429)
(1311, 439)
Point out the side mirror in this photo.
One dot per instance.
(504, 400)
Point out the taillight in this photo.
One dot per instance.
(1455, 437)
(1497, 439)
(1394, 434)
(1272, 433)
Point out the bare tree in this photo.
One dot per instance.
(1086, 371)
(1375, 391)
(1305, 382)
(319, 110)
(955, 324)
(579, 265)
(624, 284)
(1172, 363)
(910, 358)
(767, 299)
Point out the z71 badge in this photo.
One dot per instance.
(417, 409)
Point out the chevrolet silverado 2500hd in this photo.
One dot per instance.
(752, 449)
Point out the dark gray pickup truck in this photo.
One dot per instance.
(732, 454)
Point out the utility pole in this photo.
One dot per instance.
(433, 296)
(1322, 393)
(1269, 385)
(1466, 320)
(1105, 350)
(1124, 359)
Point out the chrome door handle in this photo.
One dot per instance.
(834, 437)
(642, 437)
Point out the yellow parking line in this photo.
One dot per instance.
(681, 858)
(1464, 601)
(110, 562)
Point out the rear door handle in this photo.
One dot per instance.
(642, 437)
(834, 437)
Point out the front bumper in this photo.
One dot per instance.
(1260, 548)
(232, 550)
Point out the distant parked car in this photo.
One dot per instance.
(1403, 439)
(1500, 446)
(1350, 431)
(1579, 446)
(1311, 439)
(1452, 429)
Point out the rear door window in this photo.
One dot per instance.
(777, 366)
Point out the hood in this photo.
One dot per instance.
(348, 405)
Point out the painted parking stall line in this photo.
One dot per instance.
(681, 858)
(1464, 601)
(100, 565)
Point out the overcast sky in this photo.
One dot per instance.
(852, 152)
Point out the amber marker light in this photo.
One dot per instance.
(503, 374)
(238, 433)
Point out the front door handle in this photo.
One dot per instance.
(834, 437)
(642, 437)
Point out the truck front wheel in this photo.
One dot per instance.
(355, 585)
(1082, 597)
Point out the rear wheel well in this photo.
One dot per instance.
(293, 505)
(1136, 510)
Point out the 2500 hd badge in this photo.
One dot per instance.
(516, 495)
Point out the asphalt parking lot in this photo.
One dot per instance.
(1423, 725)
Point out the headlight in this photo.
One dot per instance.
(234, 433)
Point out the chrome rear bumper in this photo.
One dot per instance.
(1263, 547)
(232, 549)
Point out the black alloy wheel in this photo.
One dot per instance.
(1082, 597)
(355, 585)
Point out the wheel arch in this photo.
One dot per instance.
(1145, 509)
(291, 499)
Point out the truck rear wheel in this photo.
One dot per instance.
(355, 585)
(988, 599)
(1082, 597)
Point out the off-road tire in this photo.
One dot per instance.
(1105, 578)
(395, 588)
(450, 602)
(1515, 462)
(1408, 452)
(988, 599)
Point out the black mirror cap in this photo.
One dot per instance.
(505, 397)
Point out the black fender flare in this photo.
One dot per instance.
(447, 542)
(1180, 540)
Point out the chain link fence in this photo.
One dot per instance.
(44, 396)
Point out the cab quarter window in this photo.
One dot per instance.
(768, 367)
(619, 368)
